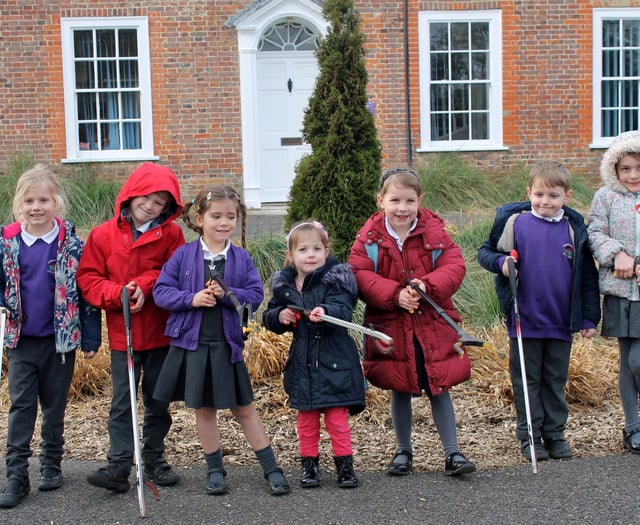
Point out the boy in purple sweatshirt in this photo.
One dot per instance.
(557, 296)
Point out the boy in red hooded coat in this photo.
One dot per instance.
(129, 250)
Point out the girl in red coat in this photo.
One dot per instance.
(404, 243)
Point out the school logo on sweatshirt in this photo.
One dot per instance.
(568, 251)
(51, 266)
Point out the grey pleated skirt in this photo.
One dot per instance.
(204, 378)
(620, 317)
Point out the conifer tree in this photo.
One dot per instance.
(336, 183)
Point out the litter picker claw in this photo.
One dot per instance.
(126, 311)
(383, 342)
(523, 372)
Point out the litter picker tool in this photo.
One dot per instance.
(3, 321)
(126, 311)
(523, 372)
(464, 339)
(383, 342)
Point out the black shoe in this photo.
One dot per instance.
(346, 477)
(160, 472)
(278, 484)
(112, 477)
(401, 463)
(628, 444)
(456, 464)
(14, 492)
(310, 472)
(541, 453)
(558, 448)
(217, 482)
(50, 478)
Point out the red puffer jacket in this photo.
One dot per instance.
(380, 289)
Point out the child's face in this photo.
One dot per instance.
(628, 170)
(400, 205)
(218, 223)
(547, 201)
(309, 253)
(147, 207)
(38, 209)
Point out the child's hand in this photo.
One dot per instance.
(588, 333)
(315, 314)
(205, 298)
(136, 297)
(505, 266)
(287, 316)
(88, 355)
(624, 266)
(409, 298)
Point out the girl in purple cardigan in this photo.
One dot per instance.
(206, 333)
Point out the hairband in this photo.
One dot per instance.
(394, 171)
(315, 224)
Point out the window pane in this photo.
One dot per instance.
(460, 66)
(439, 66)
(480, 36)
(107, 74)
(110, 136)
(460, 97)
(128, 42)
(629, 94)
(610, 93)
(83, 44)
(631, 63)
(610, 33)
(439, 97)
(480, 126)
(84, 75)
(460, 126)
(288, 36)
(460, 35)
(87, 106)
(106, 43)
(610, 63)
(480, 66)
(131, 135)
(479, 96)
(87, 134)
(109, 106)
(631, 31)
(439, 37)
(609, 123)
(129, 74)
(629, 120)
(130, 104)
(439, 126)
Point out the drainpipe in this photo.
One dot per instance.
(406, 82)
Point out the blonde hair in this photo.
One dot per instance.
(403, 177)
(39, 176)
(300, 230)
(551, 174)
(204, 199)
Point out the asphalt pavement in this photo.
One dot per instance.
(584, 491)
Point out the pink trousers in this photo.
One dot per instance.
(335, 421)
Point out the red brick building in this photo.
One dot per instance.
(215, 89)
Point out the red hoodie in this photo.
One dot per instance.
(111, 259)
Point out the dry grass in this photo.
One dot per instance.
(484, 411)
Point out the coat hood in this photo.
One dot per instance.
(628, 142)
(146, 179)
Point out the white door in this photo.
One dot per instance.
(285, 83)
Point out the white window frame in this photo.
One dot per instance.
(598, 141)
(74, 153)
(495, 140)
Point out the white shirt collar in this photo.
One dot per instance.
(143, 227)
(393, 233)
(208, 256)
(49, 237)
(556, 218)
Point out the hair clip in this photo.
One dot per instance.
(236, 196)
(209, 196)
(193, 202)
(316, 224)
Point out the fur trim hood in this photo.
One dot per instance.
(628, 142)
(332, 273)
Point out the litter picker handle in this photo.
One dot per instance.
(228, 293)
(511, 265)
(126, 306)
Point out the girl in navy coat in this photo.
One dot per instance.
(205, 366)
(322, 373)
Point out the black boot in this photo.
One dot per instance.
(310, 472)
(346, 477)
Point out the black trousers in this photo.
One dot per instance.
(156, 420)
(36, 374)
